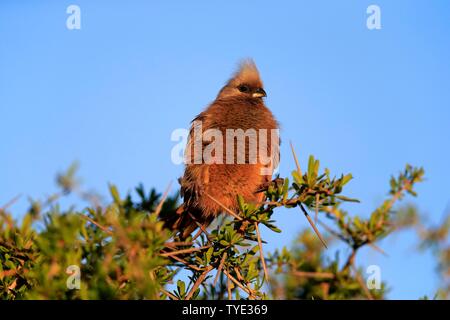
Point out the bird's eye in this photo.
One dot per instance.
(243, 88)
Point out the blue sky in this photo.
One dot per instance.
(110, 95)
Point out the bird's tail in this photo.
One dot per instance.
(181, 220)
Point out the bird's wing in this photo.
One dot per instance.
(273, 151)
(196, 124)
(194, 174)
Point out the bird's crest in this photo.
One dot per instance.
(247, 73)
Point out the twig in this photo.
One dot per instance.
(7, 219)
(198, 282)
(199, 232)
(225, 208)
(377, 248)
(201, 227)
(311, 222)
(194, 267)
(177, 244)
(219, 269)
(167, 293)
(238, 273)
(3, 214)
(261, 253)
(97, 224)
(361, 283)
(173, 253)
(317, 208)
(306, 274)
(240, 285)
(396, 196)
(229, 289)
(163, 199)
(325, 289)
(10, 202)
(350, 260)
(8, 273)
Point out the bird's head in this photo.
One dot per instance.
(245, 83)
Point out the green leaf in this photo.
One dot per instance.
(297, 177)
(346, 179)
(285, 189)
(209, 254)
(272, 227)
(115, 194)
(250, 254)
(181, 286)
(343, 198)
(316, 168)
(241, 202)
(310, 169)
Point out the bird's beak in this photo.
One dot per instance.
(259, 93)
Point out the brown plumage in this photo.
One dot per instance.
(239, 105)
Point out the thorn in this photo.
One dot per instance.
(361, 282)
(219, 269)
(225, 208)
(167, 293)
(230, 297)
(197, 283)
(105, 229)
(163, 199)
(201, 227)
(296, 160)
(11, 202)
(183, 251)
(316, 217)
(261, 253)
(377, 248)
(311, 222)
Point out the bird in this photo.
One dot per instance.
(210, 188)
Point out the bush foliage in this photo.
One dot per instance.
(121, 250)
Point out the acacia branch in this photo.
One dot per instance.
(173, 253)
(261, 253)
(219, 269)
(240, 285)
(197, 283)
(320, 275)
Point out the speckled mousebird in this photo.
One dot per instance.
(239, 105)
